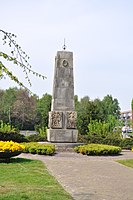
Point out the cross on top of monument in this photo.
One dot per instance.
(64, 46)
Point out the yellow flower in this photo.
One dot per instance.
(10, 146)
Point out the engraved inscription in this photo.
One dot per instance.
(55, 119)
(71, 119)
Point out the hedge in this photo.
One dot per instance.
(36, 138)
(14, 136)
(97, 149)
(37, 148)
(126, 143)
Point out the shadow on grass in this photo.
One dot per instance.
(16, 160)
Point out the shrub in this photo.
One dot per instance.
(14, 136)
(97, 149)
(41, 137)
(111, 139)
(6, 128)
(36, 138)
(127, 143)
(41, 149)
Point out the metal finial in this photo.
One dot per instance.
(64, 46)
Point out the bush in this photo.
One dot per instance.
(110, 139)
(127, 143)
(14, 136)
(36, 138)
(41, 137)
(97, 149)
(6, 128)
(41, 149)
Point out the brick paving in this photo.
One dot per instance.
(91, 177)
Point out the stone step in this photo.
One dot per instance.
(66, 147)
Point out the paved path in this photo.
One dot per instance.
(91, 177)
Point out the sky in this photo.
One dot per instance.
(98, 32)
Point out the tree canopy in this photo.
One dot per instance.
(96, 109)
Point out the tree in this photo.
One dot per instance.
(43, 108)
(24, 111)
(83, 114)
(7, 100)
(111, 107)
(18, 57)
(132, 105)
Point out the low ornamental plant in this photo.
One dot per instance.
(97, 149)
(10, 146)
(38, 148)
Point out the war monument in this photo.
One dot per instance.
(62, 118)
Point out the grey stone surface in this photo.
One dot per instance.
(91, 177)
(62, 135)
(62, 118)
(63, 84)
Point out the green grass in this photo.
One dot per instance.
(128, 163)
(24, 179)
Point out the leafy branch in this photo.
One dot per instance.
(18, 57)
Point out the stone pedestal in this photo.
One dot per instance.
(62, 118)
(62, 135)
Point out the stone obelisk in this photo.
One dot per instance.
(62, 118)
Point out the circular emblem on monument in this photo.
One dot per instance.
(65, 63)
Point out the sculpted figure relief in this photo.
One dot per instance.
(55, 119)
(71, 119)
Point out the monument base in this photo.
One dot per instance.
(62, 135)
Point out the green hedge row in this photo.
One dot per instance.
(37, 148)
(14, 136)
(97, 149)
(126, 143)
(36, 138)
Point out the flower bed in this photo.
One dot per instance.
(10, 149)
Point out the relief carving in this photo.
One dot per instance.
(71, 119)
(55, 119)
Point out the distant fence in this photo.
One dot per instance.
(27, 133)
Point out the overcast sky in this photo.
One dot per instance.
(99, 32)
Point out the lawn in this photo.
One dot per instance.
(24, 179)
(128, 163)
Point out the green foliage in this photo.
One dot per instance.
(111, 139)
(14, 136)
(37, 138)
(6, 128)
(132, 105)
(24, 113)
(98, 128)
(127, 143)
(110, 107)
(43, 108)
(97, 109)
(42, 149)
(41, 137)
(17, 57)
(19, 108)
(8, 132)
(103, 129)
(97, 149)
